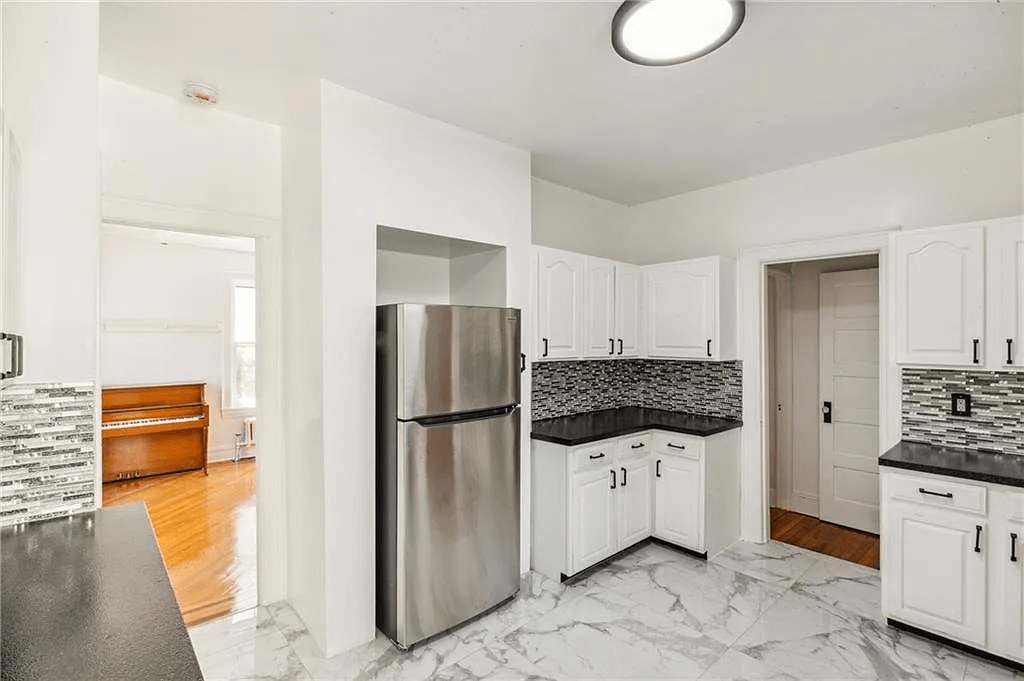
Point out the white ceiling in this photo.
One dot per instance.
(799, 82)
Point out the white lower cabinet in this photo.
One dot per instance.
(634, 501)
(951, 559)
(594, 530)
(592, 501)
(939, 577)
(679, 505)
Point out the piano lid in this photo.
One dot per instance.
(153, 396)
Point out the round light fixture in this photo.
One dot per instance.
(664, 32)
(201, 93)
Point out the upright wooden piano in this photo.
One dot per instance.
(154, 429)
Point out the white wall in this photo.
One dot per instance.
(166, 150)
(572, 220)
(186, 289)
(412, 278)
(381, 165)
(50, 98)
(303, 340)
(967, 174)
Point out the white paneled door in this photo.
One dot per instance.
(848, 337)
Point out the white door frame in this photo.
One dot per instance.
(754, 464)
(271, 510)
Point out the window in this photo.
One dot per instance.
(243, 345)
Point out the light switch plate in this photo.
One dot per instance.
(961, 404)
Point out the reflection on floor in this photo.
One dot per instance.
(206, 528)
(767, 611)
(832, 540)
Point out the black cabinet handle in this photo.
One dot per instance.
(545, 347)
(639, 445)
(1009, 351)
(597, 456)
(613, 479)
(1013, 547)
(611, 344)
(977, 539)
(623, 476)
(944, 495)
(675, 446)
(522, 362)
(657, 468)
(709, 347)
(620, 346)
(977, 345)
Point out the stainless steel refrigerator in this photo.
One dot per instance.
(448, 438)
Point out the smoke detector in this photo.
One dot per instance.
(201, 93)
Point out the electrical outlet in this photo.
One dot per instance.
(961, 404)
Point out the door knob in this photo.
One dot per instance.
(826, 412)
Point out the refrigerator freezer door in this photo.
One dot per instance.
(455, 359)
(458, 531)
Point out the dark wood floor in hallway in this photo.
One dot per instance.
(816, 535)
(206, 529)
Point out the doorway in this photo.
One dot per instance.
(178, 377)
(822, 385)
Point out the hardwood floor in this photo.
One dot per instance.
(810, 533)
(206, 529)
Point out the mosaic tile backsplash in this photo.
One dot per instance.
(574, 387)
(997, 409)
(47, 451)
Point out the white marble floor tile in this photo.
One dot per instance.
(767, 612)
(705, 597)
(772, 562)
(266, 656)
(846, 586)
(735, 666)
(231, 631)
(982, 670)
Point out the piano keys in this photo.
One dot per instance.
(154, 429)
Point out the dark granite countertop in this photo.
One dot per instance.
(1000, 469)
(88, 597)
(606, 423)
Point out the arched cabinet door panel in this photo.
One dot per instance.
(940, 296)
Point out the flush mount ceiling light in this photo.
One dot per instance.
(201, 93)
(664, 32)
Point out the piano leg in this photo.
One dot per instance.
(206, 450)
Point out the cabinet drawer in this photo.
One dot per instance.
(597, 454)
(938, 492)
(635, 445)
(689, 446)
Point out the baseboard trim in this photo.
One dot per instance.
(977, 652)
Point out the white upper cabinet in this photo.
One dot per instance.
(599, 338)
(1005, 294)
(627, 310)
(689, 309)
(559, 304)
(940, 296)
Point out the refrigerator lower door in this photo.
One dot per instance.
(458, 522)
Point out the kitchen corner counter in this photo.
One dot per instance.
(991, 467)
(592, 426)
(88, 598)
